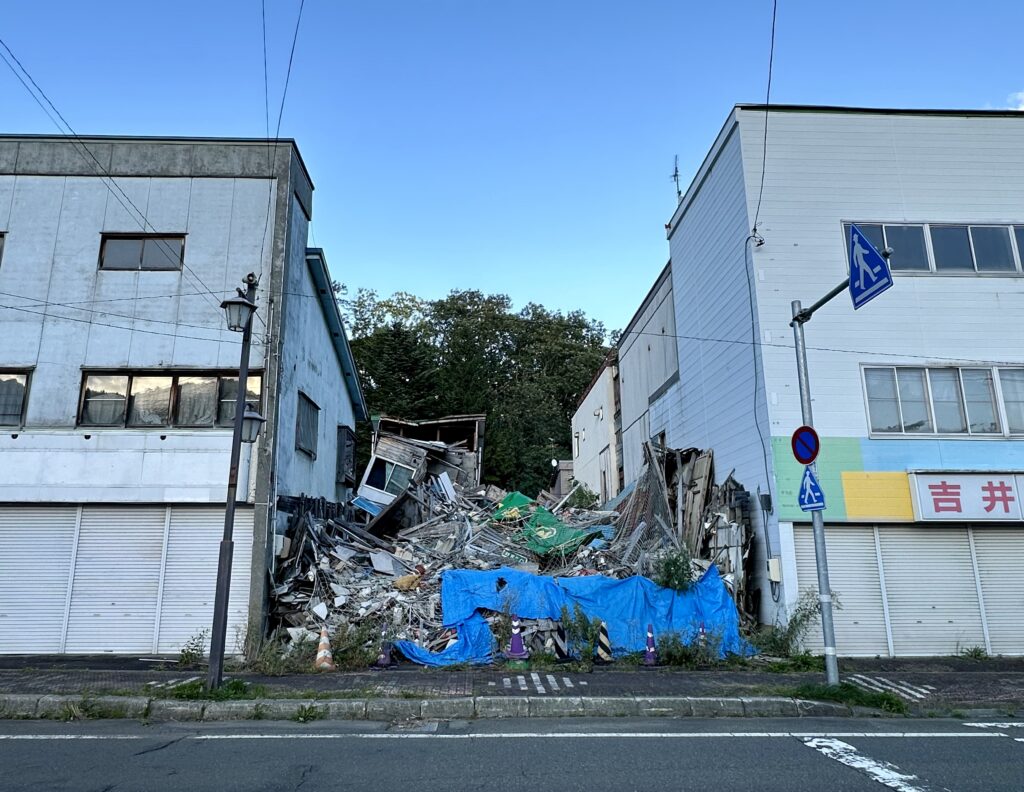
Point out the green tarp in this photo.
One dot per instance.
(543, 531)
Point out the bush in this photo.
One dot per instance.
(779, 641)
(193, 650)
(674, 570)
(701, 652)
(581, 633)
(583, 498)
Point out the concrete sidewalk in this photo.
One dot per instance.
(927, 687)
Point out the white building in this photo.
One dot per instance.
(117, 380)
(918, 397)
(595, 433)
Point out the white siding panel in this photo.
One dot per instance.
(190, 578)
(1000, 553)
(36, 547)
(933, 600)
(117, 575)
(853, 575)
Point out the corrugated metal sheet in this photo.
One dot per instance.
(190, 578)
(1000, 553)
(35, 563)
(933, 600)
(117, 577)
(853, 575)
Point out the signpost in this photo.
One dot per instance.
(869, 277)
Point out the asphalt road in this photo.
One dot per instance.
(589, 755)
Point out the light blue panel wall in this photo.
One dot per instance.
(943, 454)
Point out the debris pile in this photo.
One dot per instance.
(380, 565)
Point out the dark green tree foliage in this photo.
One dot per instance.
(471, 353)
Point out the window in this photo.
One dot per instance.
(955, 248)
(909, 400)
(346, 470)
(154, 399)
(575, 444)
(1, 248)
(141, 252)
(389, 476)
(306, 424)
(13, 392)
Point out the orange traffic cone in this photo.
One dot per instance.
(324, 658)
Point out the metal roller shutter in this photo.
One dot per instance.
(1000, 555)
(117, 580)
(933, 599)
(853, 575)
(190, 577)
(36, 552)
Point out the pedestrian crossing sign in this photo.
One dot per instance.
(869, 269)
(811, 497)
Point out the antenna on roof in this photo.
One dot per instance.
(675, 178)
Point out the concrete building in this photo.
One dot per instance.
(117, 380)
(596, 436)
(918, 397)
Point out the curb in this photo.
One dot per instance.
(31, 706)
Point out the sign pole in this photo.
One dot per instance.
(821, 560)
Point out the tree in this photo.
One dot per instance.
(471, 353)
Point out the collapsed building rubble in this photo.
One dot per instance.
(378, 564)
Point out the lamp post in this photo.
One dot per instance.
(248, 422)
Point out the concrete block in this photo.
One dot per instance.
(171, 710)
(287, 709)
(822, 709)
(770, 707)
(663, 706)
(502, 707)
(447, 709)
(231, 710)
(555, 706)
(717, 707)
(56, 707)
(346, 709)
(116, 706)
(18, 705)
(610, 707)
(392, 709)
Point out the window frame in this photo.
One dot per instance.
(27, 374)
(106, 237)
(3, 235)
(345, 468)
(388, 475)
(1002, 419)
(173, 402)
(304, 399)
(926, 226)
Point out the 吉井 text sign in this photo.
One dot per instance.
(977, 497)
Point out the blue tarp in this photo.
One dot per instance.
(627, 606)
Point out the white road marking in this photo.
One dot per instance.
(536, 681)
(551, 682)
(864, 682)
(567, 682)
(583, 683)
(1015, 724)
(884, 773)
(522, 682)
(507, 683)
(509, 735)
(930, 687)
(881, 685)
(492, 684)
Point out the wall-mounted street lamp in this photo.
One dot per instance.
(248, 422)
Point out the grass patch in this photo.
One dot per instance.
(846, 693)
(232, 690)
(804, 661)
(309, 712)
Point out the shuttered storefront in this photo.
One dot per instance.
(920, 590)
(92, 579)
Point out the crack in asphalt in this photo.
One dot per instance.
(307, 770)
(159, 747)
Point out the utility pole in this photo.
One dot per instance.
(239, 311)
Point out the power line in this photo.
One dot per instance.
(119, 327)
(98, 167)
(767, 104)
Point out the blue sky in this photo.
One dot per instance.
(522, 148)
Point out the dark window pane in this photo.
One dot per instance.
(992, 251)
(883, 404)
(1011, 381)
(947, 400)
(908, 247)
(346, 464)
(162, 253)
(307, 425)
(197, 401)
(952, 248)
(981, 401)
(228, 392)
(914, 400)
(378, 477)
(1, 248)
(105, 399)
(150, 402)
(398, 481)
(1018, 231)
(872, 231)
(121, 254)
(12, 397)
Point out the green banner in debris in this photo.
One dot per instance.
(543, 531)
